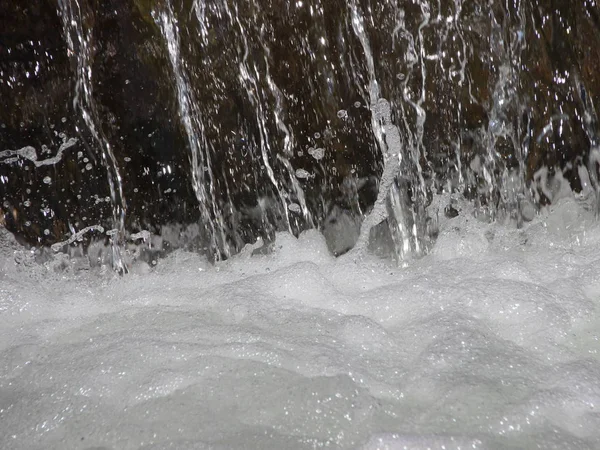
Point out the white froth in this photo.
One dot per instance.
(489, 342)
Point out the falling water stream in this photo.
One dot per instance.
(201, 167)
(289, 110)
(78, 27)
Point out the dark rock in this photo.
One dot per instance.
(450, 212)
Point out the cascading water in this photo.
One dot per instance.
(282, 116)
(78, 27)
(405, 215)
(201, 167)
(201, 164)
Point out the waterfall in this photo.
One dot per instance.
(349, 116)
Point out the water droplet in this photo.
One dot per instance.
(317, 135)
(28, 223)
(342, 114)
(301, 173)
(47, 180)
(63, 120)
(26, 203)
(88, 166)
(316, 153)
(294, 207)
(357, 104)
(46, 231)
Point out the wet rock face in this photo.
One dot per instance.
(478, 90)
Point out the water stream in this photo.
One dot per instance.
(78, 28)
(347, 116)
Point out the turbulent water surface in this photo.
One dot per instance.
(491, 341)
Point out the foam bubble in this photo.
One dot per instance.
(491, 341)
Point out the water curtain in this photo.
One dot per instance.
(301, 114)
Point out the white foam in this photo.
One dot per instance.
(29, 153)
(489, 342)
